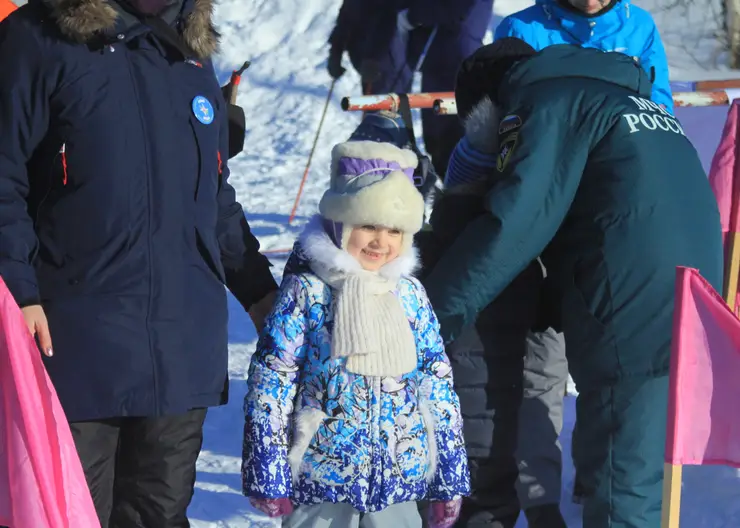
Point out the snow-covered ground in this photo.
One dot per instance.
(283, 94)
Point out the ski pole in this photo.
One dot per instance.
(419, 63)
(236, 78)
(424, 52)
(231, 88)
(310, 155)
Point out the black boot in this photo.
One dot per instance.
(545, 516)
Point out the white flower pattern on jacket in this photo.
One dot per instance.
(366, 441)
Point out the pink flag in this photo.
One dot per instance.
(724, 177)
(704, 401)
(41, 480)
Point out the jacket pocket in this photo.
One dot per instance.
(416, 447)
(412, 448)
(591, 283)
(587, 315)
(209, 251)
(336, 454)
(207, 139)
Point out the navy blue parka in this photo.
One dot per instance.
(116, 214)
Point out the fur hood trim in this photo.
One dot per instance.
(317, 246)
(481, 126)
(82, 20)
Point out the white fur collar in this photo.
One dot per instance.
(318, 247)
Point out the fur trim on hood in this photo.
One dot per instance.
(481, 126)
(82, 20)
(317, 246)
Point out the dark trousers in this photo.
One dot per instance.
(141, 471)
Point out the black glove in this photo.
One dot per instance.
(334, 64)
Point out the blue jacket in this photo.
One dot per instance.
(115, 209)
(318, 433)
(624, 28)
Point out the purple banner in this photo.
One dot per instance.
(703, 125)
(683, 86)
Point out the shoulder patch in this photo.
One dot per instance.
(507, 147)
(509, 123)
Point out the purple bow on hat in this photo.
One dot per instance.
(349, 168)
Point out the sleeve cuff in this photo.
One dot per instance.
(252, 284)
(24, 291)
(468, 164)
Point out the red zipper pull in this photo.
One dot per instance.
(63, 152)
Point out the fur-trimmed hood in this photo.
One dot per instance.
(83, 20)
(315, 245)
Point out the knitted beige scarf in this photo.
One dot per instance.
(371, 328)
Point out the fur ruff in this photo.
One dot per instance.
(318, 247)
(82, 20)
(481, 127)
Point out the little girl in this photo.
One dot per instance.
(351, 413)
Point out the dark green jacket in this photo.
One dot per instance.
(606, 187)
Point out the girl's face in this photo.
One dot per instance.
(374, 246)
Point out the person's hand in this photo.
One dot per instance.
(273, 507)
(260, 310)
(334, 64)
(444, 514)
(39, 327)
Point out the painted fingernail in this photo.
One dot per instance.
(49, 352)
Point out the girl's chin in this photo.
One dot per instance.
(371, 264)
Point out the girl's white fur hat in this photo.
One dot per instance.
(372, 184)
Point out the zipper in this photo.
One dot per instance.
(147, 155)
(220, 172)
(63, 154)
(375, 428)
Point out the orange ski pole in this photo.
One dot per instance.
(310, 156)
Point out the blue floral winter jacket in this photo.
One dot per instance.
(317, 433)
(625, 28)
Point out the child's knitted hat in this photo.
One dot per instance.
(371, 184)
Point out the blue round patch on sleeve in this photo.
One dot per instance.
(203, 110)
